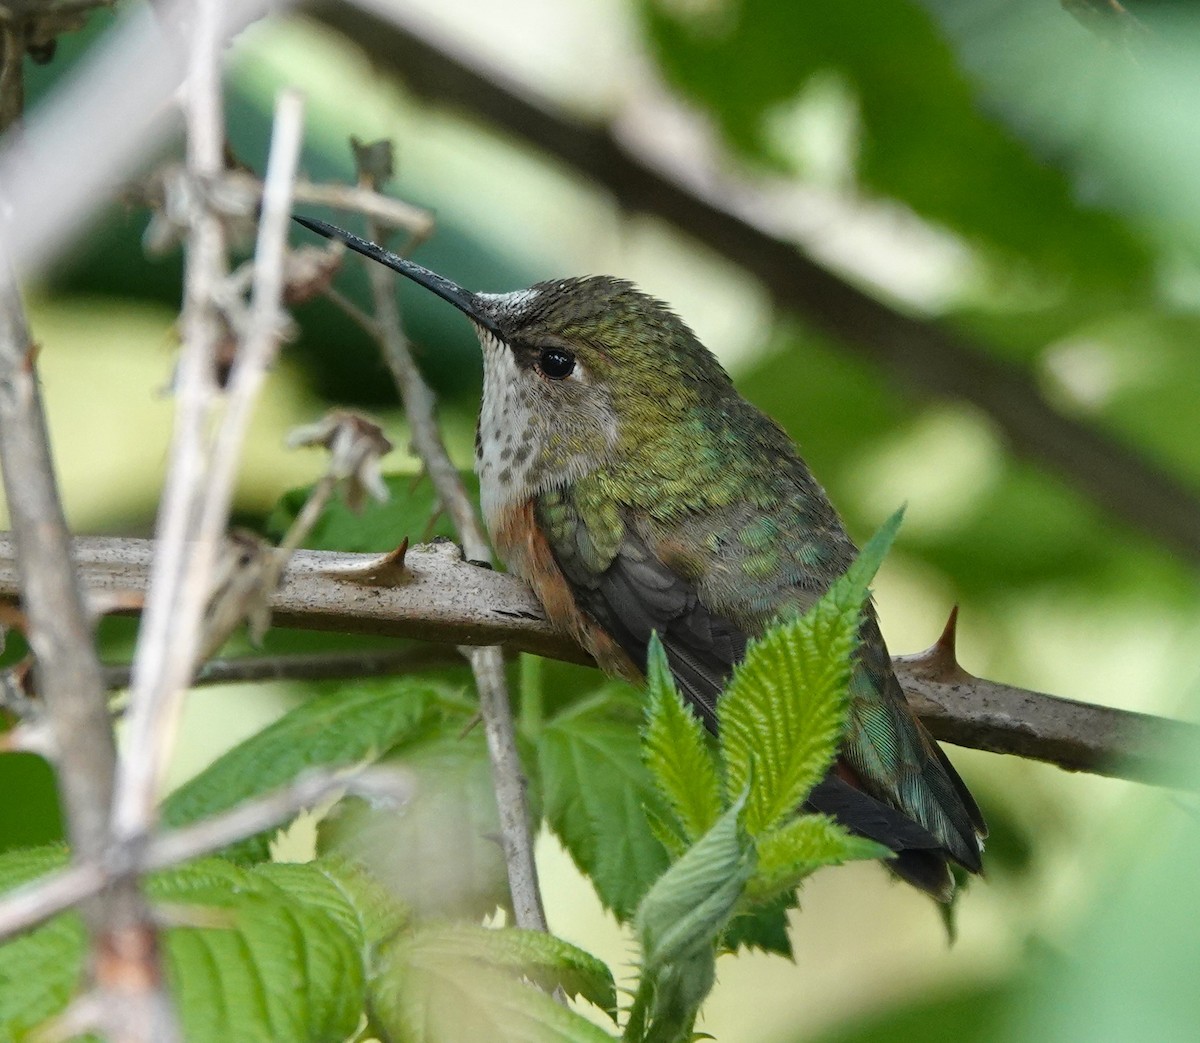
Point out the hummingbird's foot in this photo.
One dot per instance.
(441, 541)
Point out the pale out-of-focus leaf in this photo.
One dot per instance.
(355, 724)
(426, 991)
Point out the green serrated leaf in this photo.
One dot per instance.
(597, 792)
(676, 751)
(549, 961)
(354, 724)
(784, 711)
(667, 833)
(285, 962)
(378, 915)
(439, 854)
(411, 512)
(798, 849)
(429, 992)
(21, 865)
(283, 968)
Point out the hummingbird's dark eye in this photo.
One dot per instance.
(556, 363)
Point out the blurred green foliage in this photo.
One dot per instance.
(921, 135)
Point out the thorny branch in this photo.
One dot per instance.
(449, 601)
(487, 663)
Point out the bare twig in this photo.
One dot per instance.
(450, 601)
(376, 207)
(926, 356)
(391, 785)
(131, 1000)
(195, 515)
(313, 666)
(60, 632)
(487, 663)
(353, 311)
(169, 635)
(128, 968)
(194, 509)
(33, 903)
(237, 195)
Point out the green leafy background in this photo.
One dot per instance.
(1010, 174)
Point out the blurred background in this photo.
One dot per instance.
(1013, 182)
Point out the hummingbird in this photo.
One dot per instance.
(627, 481)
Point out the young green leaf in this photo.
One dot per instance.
(784, 711)
(344, 891)
(667, 832)
(689, 905)
(597, 794)
(854, 585)
(678, 924)
(789, 854)
(434, 987)
(356, 723)
(676, 751)
(282, 969)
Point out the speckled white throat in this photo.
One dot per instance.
(504, 449)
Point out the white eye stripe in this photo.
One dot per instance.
(516, 303)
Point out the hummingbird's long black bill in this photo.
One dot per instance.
(464, 300)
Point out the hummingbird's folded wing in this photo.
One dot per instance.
(631, 592)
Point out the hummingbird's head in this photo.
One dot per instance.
(577, 372)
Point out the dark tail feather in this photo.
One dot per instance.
(948, 809)
(960, 787)
(927, 871)
(921, 859)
